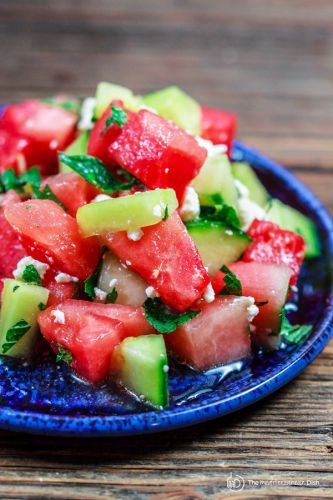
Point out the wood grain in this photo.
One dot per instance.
(271, 62)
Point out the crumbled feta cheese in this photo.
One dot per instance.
(87, 114)
(151, 292)
(128, 262)
(248, 211)
(157, 211)
(190, 208)
(40, 267)
(100, 294)
(212, 149)
(113, 282)
(135, 235)
(294, 288)
(229, 232)
(59, 316)
(252, 309)
(165, 368)
(209, 294)
(65, 278)
(101, 197)
(241, 189)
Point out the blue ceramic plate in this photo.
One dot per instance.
(46, 398)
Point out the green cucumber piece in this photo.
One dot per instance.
(291, 219)
(217, 243)
(174, 104)
(108, 92)
(126, 213)
(141, 365)
(215, 177)
(21, 301)
(244, 173)
(78, 147)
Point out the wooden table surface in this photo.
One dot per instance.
(271, 61)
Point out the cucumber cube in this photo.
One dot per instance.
(141, 365)
(174, 104)
(20, 301)
(78, 147)
(108, 92)
(126, 213)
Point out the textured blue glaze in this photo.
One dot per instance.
(45, 398)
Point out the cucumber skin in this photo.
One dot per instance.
(26, 311)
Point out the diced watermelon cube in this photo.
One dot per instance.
(218, 126)
(219, 335)
(166, 258)
(158, 152)
(90, 332)
(273, 245)
(50, 235)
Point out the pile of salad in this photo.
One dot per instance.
(128, 236)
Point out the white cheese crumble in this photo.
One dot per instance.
(151, 292)
(100, 294)
(294, 288)
(128, 262)
(113, 283)
(248, 211)
(101, 197)
(155, 273)
(252, 309)
(209, 294)
(190, 208)
(59, 316)
(212, 149)
(229, 232)
(135, 235)
(87, 114)
(157, 211)
(165, 368)
(40, 267)
(65, 278)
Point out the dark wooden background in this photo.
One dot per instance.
(271, 61)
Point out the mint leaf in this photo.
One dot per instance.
(31, 275)
(16, 287)
(293, 334)
(166, 213)
(111, 296)
(10, 180)
(91, 282)
(46, 194)
(95, 172)
(119, 117)
(232, 284)
(14, 334)
(68, 104)
(42, 306)
(64, 354)
(218, 211)
(164, 319)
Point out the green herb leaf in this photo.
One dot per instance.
(14, 334)
(16, 287)
(95, 172)
(224, 213)
(232, 284)
(64, 354)
(111, 296)
(46, 194)
(293, 334)
(10, 180)
(31, 275)
(118, 116)
(260, 304)
(164, 319)
(166, 213)
(42, 306)
(69, 104)
(91, 282)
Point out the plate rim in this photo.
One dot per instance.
(152, 421)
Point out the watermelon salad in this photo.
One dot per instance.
(130, 237)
